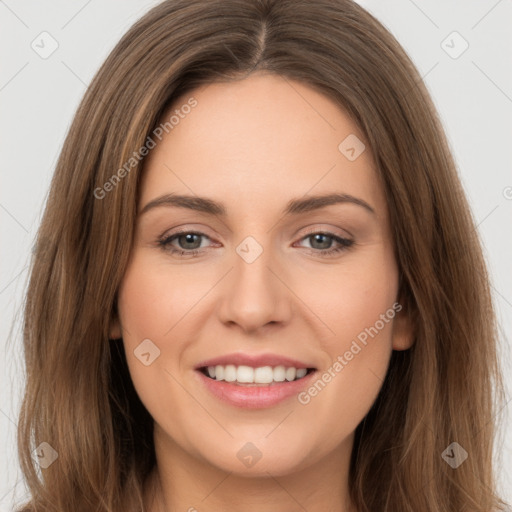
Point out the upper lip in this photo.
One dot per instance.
(254, 361)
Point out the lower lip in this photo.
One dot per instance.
(255, 397)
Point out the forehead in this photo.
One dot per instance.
(258, 141)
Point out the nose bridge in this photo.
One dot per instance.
(254, 296)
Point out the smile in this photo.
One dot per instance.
(263, 375)
(280, 383)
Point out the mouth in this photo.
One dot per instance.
(247, 376)
(247, 387)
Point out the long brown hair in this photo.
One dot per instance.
(79, 397)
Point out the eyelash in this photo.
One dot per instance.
(165, 242)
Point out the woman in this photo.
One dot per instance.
(250, 371)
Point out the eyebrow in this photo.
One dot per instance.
(293, 207)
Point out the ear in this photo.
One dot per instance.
(403, 328)
(115, 326)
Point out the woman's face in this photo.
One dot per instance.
(275, 275)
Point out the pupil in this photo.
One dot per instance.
(322, 236)
(189, 239)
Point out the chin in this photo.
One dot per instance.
(257, 464)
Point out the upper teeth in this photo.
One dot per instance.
(260, 375)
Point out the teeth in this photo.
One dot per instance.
(301, 372)
(260, 375)
(291, 373)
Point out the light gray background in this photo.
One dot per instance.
(38, 97)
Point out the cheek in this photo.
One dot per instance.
(151, 304)
(357, 306)
(352, 299)
(151, 308)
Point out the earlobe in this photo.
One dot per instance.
(403, 331)
(115, 328)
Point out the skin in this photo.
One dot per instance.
(255, 144)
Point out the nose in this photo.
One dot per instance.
(254, 294)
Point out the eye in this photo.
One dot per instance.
(325, 240)
(190, 243)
